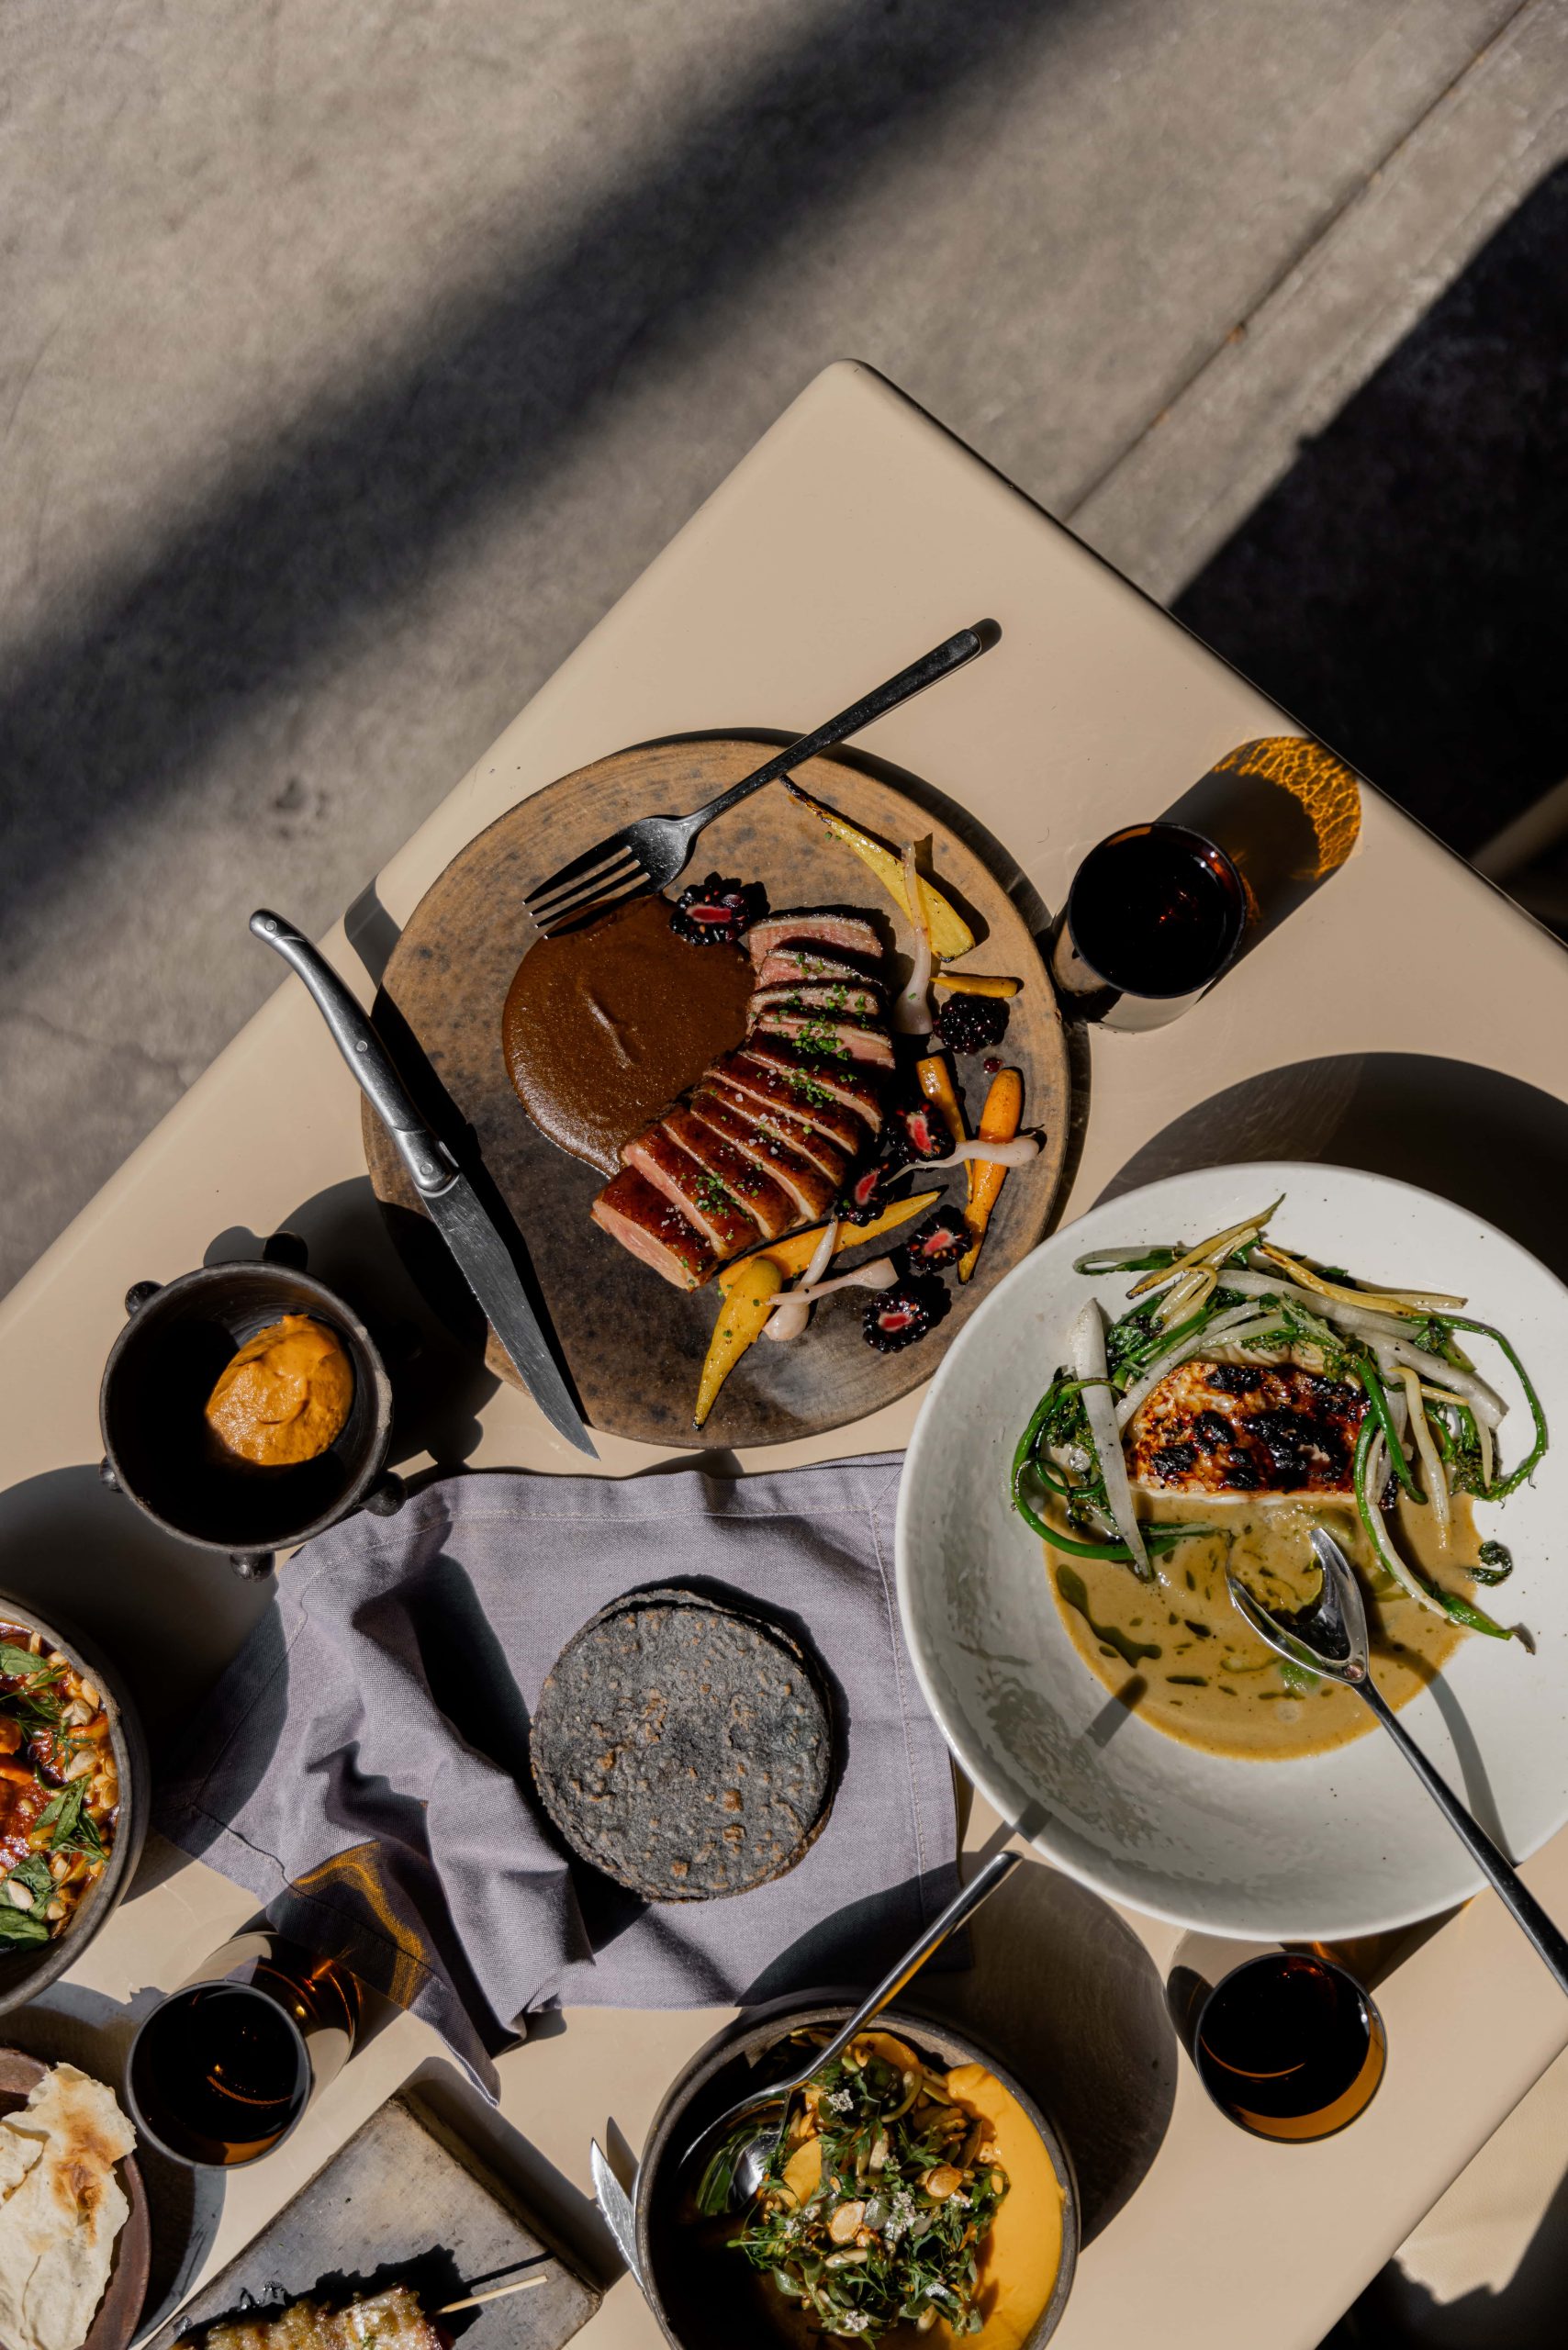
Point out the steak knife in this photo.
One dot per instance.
(615, 2206)
(449, 1198)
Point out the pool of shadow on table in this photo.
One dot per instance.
(1489, 1142)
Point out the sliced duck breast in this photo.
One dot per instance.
(833, 1042)
(831, 927)
(797, 962)
(813, 1083)
(646, 1223)
(836, 1000)
(769, 1204)
(819, 1112)
(702, 1200)
(811, 1186)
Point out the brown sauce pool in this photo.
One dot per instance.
(1176, 1653)
(603, 1028)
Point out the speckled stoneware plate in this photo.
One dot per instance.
(1319, 1847)
(632, 1343)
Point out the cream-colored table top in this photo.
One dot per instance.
(857, 533)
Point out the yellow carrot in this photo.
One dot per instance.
(949, 933)
(937, 1084)
(999, 1121)
(794, 1254)
(975, 984)
(742, 1318)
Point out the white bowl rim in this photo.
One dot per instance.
(1221, 1924)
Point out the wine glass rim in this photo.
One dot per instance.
(1220, 857)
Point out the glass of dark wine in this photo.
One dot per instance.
(1154, 913)
(1290, 2046)
(223, 2068)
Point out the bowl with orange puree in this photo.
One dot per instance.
(919, 2195)
(246, 1407)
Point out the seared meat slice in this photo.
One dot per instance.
(1218, 1429)
(843, 1042)
(702, 1200)
(799, 960)
(768, 1083)
(842, 999)
(830, 926)
(653, 1228)
(770, 1207)
(813, 1189)
(809, 1079)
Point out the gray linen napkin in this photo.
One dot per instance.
(363, 1765)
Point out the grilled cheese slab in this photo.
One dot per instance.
(1212, 1429)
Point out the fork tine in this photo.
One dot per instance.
(602, 853)
(552, 901)
(588, 887)
(613, 877)
(589, 909)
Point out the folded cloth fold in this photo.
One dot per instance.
(363, 1765)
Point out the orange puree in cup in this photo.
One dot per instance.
(285, 1397)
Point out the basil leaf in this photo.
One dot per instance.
(63, 1812)
(20, 1925)
(20, 1664)
(34, 1874)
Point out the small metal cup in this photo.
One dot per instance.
(223, 2069)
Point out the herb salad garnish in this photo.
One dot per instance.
(59, 1790)
(875, 2208)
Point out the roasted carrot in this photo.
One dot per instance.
(975, 984)
(794, 1253)
(999, 1121)
(937, 1084)
(745, 1310)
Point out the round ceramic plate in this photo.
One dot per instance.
(632, 1343)
(1324, 1847)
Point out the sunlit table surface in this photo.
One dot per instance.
(857, 533)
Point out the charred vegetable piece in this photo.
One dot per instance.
(940, 1242)
(972, 1023)
(949, 935)
(897, 1317)
(718, 913)
(748, 1301)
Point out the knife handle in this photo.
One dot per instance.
(428, 1162)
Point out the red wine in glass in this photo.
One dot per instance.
(1154, 913)
(1290, 2046)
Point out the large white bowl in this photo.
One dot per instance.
(1327, 1846)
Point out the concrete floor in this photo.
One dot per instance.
(354, 360)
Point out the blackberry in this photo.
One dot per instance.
(861, 1198)
(924, 1130)
(897, 1317)
(717, 912)
(972, 1023)
(941, 1240)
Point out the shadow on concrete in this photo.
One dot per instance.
(1401, 589)
(348, 514)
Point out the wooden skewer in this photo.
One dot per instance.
(496, 2293)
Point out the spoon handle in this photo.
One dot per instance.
(964, 1904)
(1496, 1866)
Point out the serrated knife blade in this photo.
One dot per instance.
(477, 1248)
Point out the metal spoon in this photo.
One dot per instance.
(1330, 1638)
(770, 2107)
